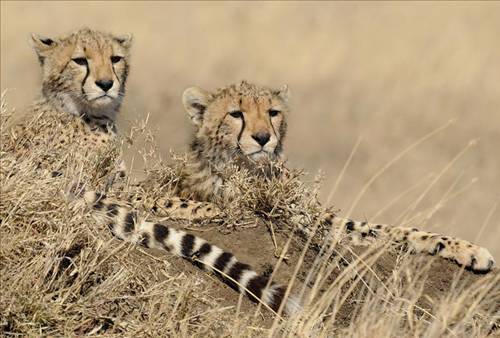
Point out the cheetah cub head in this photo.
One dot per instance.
(241, 121)
(84, 72)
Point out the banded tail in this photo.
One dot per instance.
(125, 225)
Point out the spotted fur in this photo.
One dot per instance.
(464, 253)
(185, 209)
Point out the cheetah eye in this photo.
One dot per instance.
(273, 112)
(116, 58)
(237, 114)
(80, 61)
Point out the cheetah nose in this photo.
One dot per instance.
(104, 84)
(261, 138)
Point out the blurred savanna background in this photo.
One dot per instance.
(386, 74)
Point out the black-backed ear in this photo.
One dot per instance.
(284, 93)
(42, 44)
(125, 40)
(195, 102)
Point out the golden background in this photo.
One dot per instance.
(388, 73)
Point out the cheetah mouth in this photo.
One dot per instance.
(102, 97)
(259, 155)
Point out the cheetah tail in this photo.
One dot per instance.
(125, 225)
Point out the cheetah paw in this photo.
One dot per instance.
(473, 257)
(476, 259)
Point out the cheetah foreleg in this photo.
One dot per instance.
(179, 208)
(464, 253)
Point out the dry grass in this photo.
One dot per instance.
(387, 72)
(63, 275)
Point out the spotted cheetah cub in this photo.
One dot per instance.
(83, 85)
(246, 124)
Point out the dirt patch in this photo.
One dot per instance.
(255, 246)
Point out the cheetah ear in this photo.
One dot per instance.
(42, 44)
(125, 40)
(195, 102)
(284, 93)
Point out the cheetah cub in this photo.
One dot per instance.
(246, 124)
(83, 85)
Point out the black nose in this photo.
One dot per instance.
(104, 84)
(261, 138)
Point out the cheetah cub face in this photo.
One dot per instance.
(239, 121)
(85, 71)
